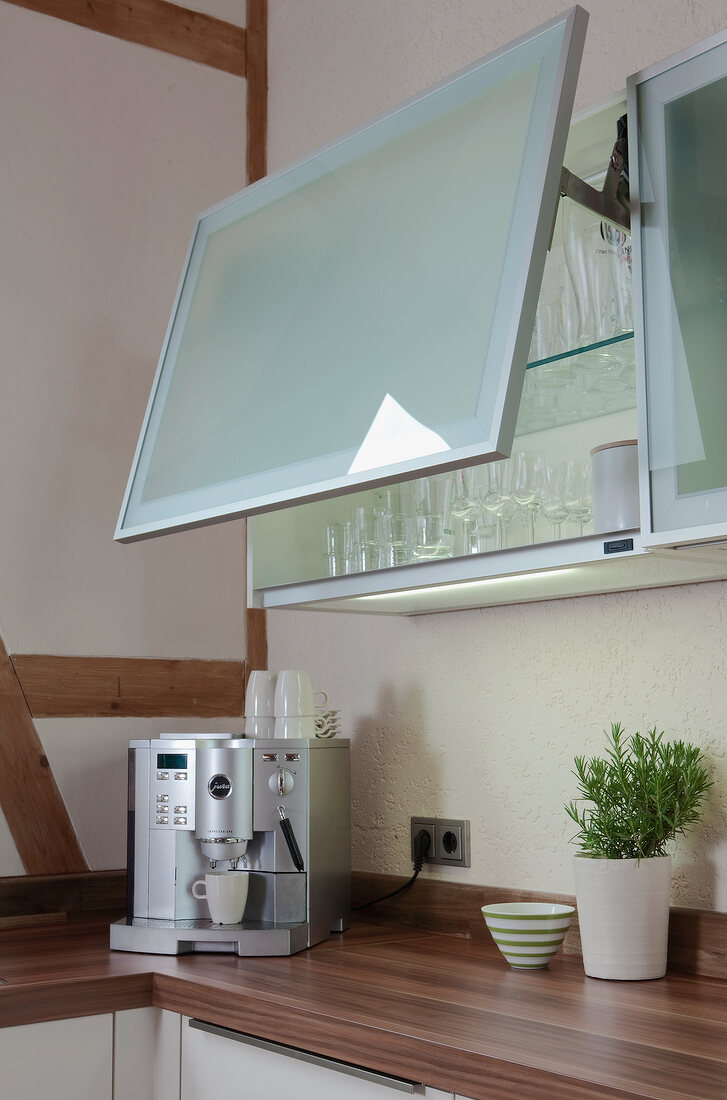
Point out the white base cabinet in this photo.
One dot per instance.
(219, 1064)
(146, 1054)
(65, 1059)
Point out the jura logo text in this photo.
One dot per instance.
(219, 786)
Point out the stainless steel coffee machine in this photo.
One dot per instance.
(277, 808)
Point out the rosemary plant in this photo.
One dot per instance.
(645, 792)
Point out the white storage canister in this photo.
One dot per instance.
(615, 471)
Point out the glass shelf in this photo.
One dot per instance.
(570, 353)
(578, 385)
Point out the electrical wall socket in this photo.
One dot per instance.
(449, 840)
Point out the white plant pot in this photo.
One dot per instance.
(623, 913)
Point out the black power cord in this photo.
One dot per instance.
(422, 844)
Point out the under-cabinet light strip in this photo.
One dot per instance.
(458, 587)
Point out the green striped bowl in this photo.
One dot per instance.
(528, 933)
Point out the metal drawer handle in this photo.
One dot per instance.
(400, 1084)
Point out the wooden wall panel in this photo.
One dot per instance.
(158, 24)
(89, 892)
(126, 687)
(32, 804)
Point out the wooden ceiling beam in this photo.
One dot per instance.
(159, 25)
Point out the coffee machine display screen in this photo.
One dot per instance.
(171, 760)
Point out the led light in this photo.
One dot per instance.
(462, 585)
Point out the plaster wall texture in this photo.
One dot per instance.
(479, 714)
(110, 151)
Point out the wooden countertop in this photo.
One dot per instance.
(439, 1009)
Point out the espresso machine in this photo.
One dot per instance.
(279, 809)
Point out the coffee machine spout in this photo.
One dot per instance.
(222, 848)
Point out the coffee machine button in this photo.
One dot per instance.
(180, 809)
(291, 756)
(162, 775)
(162, 820)
(180, 775)
(162, 798)
(270, 757)
(180, 821)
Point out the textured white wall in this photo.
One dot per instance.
(479, 714)
(109, 152)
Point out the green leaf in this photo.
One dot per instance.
(642, 794)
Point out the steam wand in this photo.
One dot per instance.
(290, 840)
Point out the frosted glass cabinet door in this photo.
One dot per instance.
(678, 159)
(365, 314)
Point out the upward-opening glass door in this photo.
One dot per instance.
(679, 181)
(364, 315)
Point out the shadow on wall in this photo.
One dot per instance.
(700, 858)
(394, 777)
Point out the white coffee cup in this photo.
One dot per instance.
(260, 694)
(261, 727)
(295, 726)
(294, 694)
(225, 893)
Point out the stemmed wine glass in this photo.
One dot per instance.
(465, 508)
(577, 492)
(497, 498)
(554, 508)
(527, 485)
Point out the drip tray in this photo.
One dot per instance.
(186, 937)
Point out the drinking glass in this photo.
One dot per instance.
(338, 546)
(619, 245)
(483, 534)
(544, 341)
(465, 492)
(575, 260)
(433, 495)
(435, 534)
(600, 282)
(433, 538)
(577, 492)
(397, 540)
(365, 538)
(527, 486)
(554, 509)
(497, 498)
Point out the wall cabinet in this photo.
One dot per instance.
(679, 182)
(66, 1059)
(220, 1064)
(338, 343)
(580, 392)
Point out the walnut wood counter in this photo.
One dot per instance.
(433, 1008)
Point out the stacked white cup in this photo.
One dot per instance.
(260, 704)
(295, 705)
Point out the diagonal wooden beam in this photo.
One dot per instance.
(158, 24)
(257, 89)
(34, 810)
